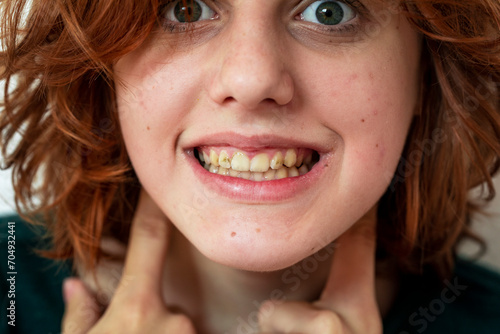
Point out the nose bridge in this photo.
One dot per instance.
(251, 68)
(252, 40)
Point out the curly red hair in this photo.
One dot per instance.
(59, 98)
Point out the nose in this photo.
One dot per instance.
(250, 66)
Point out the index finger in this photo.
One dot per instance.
(148, 246)
(351, 283)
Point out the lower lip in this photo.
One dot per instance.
(257, 192)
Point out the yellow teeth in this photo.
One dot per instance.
(277, 161)
(223, 159)
(300, 158)
(213, 169)
(269, 175)
(260, 167)
(290, 158)
(260, 163)
(214, 159)
(245, 175)
(257, 176)
(303, 169)
(293, 171)
(281, 173)
(206, 158)
(240, 162)
(223, 171)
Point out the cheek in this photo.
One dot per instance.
(145, 126)
(370, 105)
(152, 106)
(379, 127)
(154, 92)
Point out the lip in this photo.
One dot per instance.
(254, 142)
(246, 191)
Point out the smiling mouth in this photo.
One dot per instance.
(262, 165)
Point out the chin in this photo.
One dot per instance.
(255, 260)
(258, 254)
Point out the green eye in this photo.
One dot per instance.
(187, 11)
(328, 13)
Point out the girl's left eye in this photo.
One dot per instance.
(328, 12)
(187, 11)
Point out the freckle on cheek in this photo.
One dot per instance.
(381, 150)
(257, 230)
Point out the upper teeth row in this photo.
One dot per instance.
(259, 163)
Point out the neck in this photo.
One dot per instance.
(220, 299)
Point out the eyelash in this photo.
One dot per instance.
(179, 27)
(347, 27)
(176, 27)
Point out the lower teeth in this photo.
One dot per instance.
(271, 174)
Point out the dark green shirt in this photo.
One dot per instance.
(469, 302)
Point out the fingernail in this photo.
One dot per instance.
(69, 288)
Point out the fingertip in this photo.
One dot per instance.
(70, 286)
(81, 311)
(75, 293)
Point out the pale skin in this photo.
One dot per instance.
(347, 303)
(261, 71)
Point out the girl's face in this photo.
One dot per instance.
(331, 87)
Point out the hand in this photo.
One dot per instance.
(106, 277)
(137, 305)
(347, 303)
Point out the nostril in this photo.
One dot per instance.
(269, 100)
(229, 99)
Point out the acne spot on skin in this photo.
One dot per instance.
(363, 120)
(375, 112)
(381, 151)
(376, 146)
(233, 234)
(257, 230)
(352, 79)
(147, 128)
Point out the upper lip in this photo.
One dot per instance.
(254, 142)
